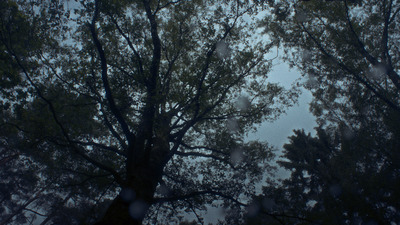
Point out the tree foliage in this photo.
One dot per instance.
(348, 53)
(144, 102)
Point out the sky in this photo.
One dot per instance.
(276, 133)
(297, 117)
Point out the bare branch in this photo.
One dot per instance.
(59, 124)
(394, 77)
(100, 146)
(203, 147)
(198, 154)
(165, 6)
(352, 72)
(230, 198)
(114, 109)
(130, 44)
(113, 131)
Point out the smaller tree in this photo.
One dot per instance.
(337, 180)
(348, 173)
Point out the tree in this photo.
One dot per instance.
(335, 180)
(341, 53)
(347, 174)
(143, 102)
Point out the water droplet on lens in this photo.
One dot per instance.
(237, 156)
(138, 209)
(127, 194)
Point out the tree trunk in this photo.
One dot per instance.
(118, 214)
(130, 206)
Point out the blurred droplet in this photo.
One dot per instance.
(357, 220)
(335, 190)
(237, 156)
(268, 203)
(253, 209)
(306, 55)
(377, 72)
(311, 82)
(232, 125)
(223, 50)
(127, 194)
(221, 212)
(164, 190)
(138, 209)
(301, 16)
(366, 110)
(243, 103)
(348, 133)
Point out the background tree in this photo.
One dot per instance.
(348, 52)
(144, 102)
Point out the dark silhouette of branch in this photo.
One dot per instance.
(276, 216)
(393, 76)
(356, 75)
(100, 146)
(198, 154)
(159, 7)
(53, 112)
(104, 76)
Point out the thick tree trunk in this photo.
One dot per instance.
(130, 206)
(118, 213)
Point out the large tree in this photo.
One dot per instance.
(348, 51)
(144, 102)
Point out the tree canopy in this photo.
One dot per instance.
(120, 112)
(131, 112)
(348, 53)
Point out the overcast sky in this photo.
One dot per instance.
(277, 132)
(297, 117)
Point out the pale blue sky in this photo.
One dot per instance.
(297, 117)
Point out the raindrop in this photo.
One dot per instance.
(357, 220)
(348, 134)
(164, 190)
(366, 110)
(127, 194)
(301, 16)
(232, 125)
(237, 156)
(335, 190)
(311, 82)
(223, 50)
(377, 72)
(220, 211)
(243, 103)
(138, 209)
(253, 209)
(268, 203)
(306, 55)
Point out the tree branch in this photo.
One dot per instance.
(104, 68)
(352, 72)
(202, 147)
(206, 156)
(165, 6)
(101, 146)
(57, 121)
(114, 132)
(130, 44)
(394, 77)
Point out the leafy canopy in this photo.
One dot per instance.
(149, 99)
